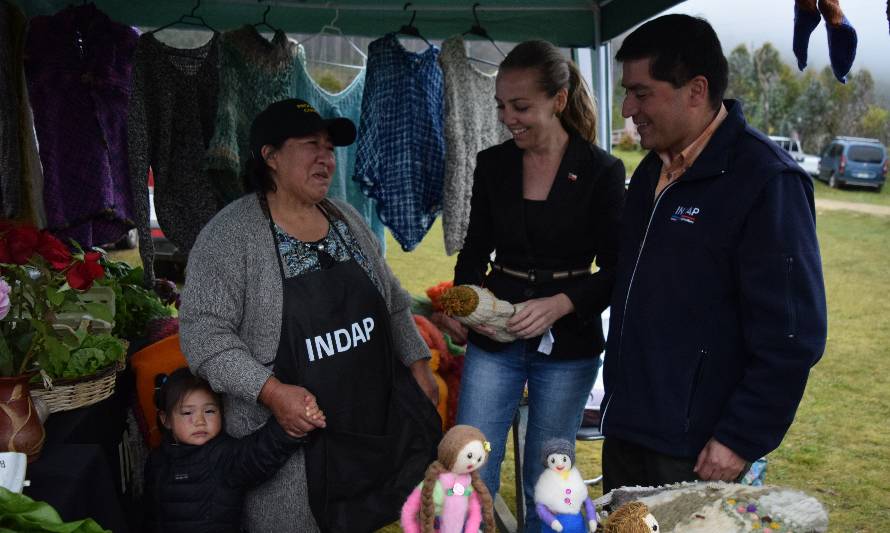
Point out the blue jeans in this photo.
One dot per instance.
(490, 390)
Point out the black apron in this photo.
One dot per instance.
(382, 431)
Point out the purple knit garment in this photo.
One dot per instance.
(78, 65)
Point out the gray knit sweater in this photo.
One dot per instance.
(471, 125)
(12, 23)
(230, 323)
(170, 121)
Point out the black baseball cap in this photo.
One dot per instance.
(296, 118)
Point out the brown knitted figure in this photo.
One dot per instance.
(452, 496)
(633, 517)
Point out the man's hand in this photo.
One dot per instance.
(294, 407)
(420, 369)
(716, 462)
(538, 315)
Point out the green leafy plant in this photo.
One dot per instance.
(41, 279)
(135, 306)
(20, 513)
(79, 353)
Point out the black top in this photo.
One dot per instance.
(575, 225)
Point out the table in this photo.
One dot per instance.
(82, 470)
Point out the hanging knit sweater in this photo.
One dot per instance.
(401, 147)
(172, 111)
(11, 24)
(254, 73)
(78, 64)
(471, 125)
(347, 103)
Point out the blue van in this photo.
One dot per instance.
(854, 161)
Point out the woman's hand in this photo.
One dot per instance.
(538, 315)
(420, 369)
(293, 406)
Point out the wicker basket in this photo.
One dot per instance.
(67, 394)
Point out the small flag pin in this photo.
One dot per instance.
(573, 176)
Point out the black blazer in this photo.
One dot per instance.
(582, 210)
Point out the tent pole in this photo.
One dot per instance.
(604, 94)
(596, 68)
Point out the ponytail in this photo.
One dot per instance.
(555, 73)
(580, 111)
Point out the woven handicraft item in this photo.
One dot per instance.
(472, 305)
(707, 507)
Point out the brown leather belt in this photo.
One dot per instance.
(536, 274)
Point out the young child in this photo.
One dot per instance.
(196, 480)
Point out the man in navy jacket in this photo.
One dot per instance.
(719, 307)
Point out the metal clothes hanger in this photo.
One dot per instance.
(189, 19)
(478, 30)
(265, 22)
(332, 29)
(410, 29)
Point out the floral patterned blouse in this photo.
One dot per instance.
(299, 257)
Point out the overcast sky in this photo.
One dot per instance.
(753, 22)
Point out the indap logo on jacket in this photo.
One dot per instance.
(340, 340)
(685, 214)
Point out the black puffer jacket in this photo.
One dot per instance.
(197, 489)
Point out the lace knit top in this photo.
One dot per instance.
(471, 125)
(346, 103)
(254, 72)
(170, 122)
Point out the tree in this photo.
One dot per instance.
(814, 105)
(874, 123)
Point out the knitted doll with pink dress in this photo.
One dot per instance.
(452, 497)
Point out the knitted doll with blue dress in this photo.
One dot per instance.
(452, 497)
(560, 492)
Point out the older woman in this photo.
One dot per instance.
(287, 299)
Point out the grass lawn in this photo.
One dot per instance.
(853, 194)
(839, 445)
(631, 158)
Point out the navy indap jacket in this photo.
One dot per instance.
(718, 312)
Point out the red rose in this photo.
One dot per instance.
(5, 256)
(21, 242)
(53, 250)
(82, 274)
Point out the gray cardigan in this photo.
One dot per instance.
(230, 323)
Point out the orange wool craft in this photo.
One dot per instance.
(449, 368)
(434, 293)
